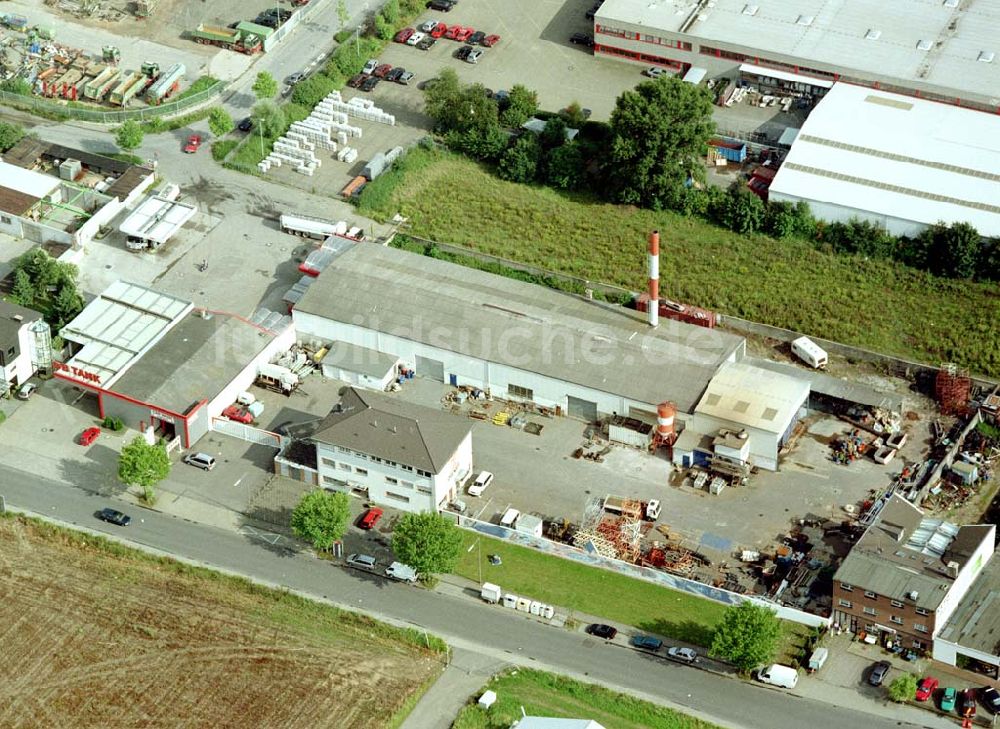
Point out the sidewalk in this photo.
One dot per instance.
(465, 675)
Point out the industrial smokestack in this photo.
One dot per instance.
(653, 307)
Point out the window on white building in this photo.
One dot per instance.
(341, 449)
(391, 463)
(406, 468)
(5, 220)
(397, 497)
(329, 463)
(525, 393)
(344, 466)
(390, 479)
(406, 484)
(361, 471)
(425, 489)
(376, 459)
(425, 474)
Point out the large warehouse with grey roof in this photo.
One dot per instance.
(524, 342)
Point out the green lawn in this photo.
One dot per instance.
(546, 694)
(878, 305)
(599, 592)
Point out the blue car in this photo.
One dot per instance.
(648, 642)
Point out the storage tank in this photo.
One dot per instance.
(666, 413)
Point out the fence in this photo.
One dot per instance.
(246, 432)
(897, 366)
(44, 107)
(664, 579)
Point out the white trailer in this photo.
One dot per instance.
(491, 593)
(809, 352)
(320, 229)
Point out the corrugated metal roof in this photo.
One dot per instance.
(157, 219)
(754, 397)
(521, 325)
(124, 321)
(831, 386)
(897, 156)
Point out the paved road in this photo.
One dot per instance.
(464, 622)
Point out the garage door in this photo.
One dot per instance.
(582, 409)
(430, 368)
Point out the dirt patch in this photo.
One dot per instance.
(90, 634)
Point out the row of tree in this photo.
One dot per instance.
(651, 155)
(48, 286)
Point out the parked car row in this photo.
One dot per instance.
(373, 72)
(645, 642)
(434, 29)
(395, 571)
(950, 698)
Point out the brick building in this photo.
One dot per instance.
(907, 574)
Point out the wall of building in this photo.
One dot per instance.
(838, 213)
(490, 376)
(763, 445)
(965, 578)
(852, 617)
(20, 369)
(394, 485)
(41, 233)
(948, 652)
(88, 230)
(11, 225)
(337, 372)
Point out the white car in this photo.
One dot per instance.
(429, 26)
(655, 71)
(474, 56)
(415, 38)
(483, 480)
(26, 390)
(370, 65)
(685, 655)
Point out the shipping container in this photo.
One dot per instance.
(732, 150)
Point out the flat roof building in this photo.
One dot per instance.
(157, 362)
(907, 574)
(944, 50)
(900, 162)
(973, 630)
(155, 221)
(519, 340)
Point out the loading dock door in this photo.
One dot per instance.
(581, 409)
(432, 369)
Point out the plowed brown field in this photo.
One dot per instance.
(95, 635)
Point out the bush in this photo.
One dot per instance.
(519, 162)
(113, 423)
(221, 150)
(903, 689)
(10, 134)
(315, 88)
(343, 35)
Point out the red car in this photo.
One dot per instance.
(194, 141)
(926, 688)
(491, 40)
(89, 436)
(453, 31)
(404, 35)
(371, 517)
(382, 70)
(235, 412)
(463, 34)
(439, 30)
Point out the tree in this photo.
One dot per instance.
(744, 211)
(482, 144)
(522, 103)
(343, 14)
(16, 85)
(553, 134)
(129, 135)
(219, 121)
(10, 134)
(383, 28)
(779, 219)
(564, 167)
(429, 542)
(903, 689)
(954, 250)
(574, 115)
(264, 86)
(659, 133)
(269, 118)
(519, 162)
(67, 304)
(390, 11)
(143, 465)
(321, 518)
(23, 292)
(312, 90)
(747, 636)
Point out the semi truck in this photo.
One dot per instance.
(166, 84)
(127, 88)
(650, 510)
(319, 228)
(232, 39)
(100, 86)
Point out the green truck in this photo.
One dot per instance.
(234, 39)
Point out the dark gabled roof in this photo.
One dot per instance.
(386, 427)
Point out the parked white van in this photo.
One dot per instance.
(482, 482)
(778, 675)
(509, 517)
(809, 352)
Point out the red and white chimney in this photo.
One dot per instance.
(653, 306)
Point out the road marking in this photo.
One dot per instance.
(269, 537)
(239, 480)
